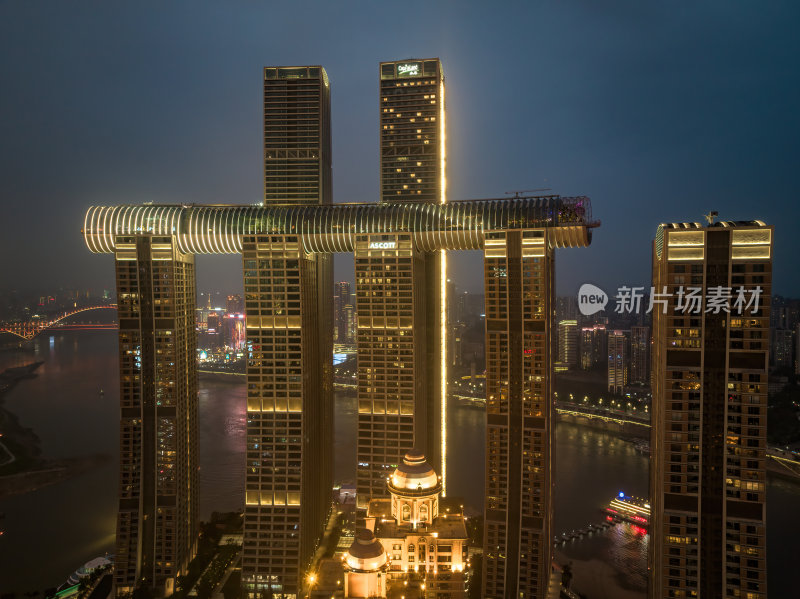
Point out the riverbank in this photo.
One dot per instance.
(221, 376)
(50, 472)
(21, 446)
(597, 579)
(23, 468)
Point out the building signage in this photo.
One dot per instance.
(382, 245)
(408, 69)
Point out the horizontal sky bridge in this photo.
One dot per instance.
(219, 229)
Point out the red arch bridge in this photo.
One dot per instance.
(29, 330)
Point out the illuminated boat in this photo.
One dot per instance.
(630, 509)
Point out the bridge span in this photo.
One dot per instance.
(29, 330)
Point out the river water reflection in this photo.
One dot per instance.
(52, 531)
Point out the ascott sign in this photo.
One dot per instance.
(409, 69)
(382, 245)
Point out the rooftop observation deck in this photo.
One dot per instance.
(220, 229)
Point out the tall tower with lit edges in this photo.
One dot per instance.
(709, 413)
(288, 311)
(400, 291)
(520, 466)
(158, 491)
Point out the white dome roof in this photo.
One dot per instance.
(366, 553)
(414, 474)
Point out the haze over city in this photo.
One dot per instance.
(659, 112)
(420, 301)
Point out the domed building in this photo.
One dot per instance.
(365, 568)
(424, 535)
(414, 488)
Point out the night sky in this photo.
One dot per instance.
(657, 111)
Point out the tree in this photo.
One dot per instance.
(566, 576)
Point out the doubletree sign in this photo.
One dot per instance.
(408, 69)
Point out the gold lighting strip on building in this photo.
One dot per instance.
(443, 290)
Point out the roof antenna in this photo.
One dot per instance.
(711, 216)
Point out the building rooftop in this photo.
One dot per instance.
(414, 474)
(449, 525)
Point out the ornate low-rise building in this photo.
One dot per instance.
(366, 564)
(424, 535)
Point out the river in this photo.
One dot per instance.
(50, 532)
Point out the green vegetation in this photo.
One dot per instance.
(213, 574)
(26, 458)
(475, 577)
(475, 531)
(208, 567)
(333, 539)
(233, 587)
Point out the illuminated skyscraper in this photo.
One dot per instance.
(401, 291)
(297, 135)
(568, 342)
(640, 355)
(709, 413)
(519, 286)
(288, 308)
(341, 299)
(618, 354)
(157, 518)
(594, 341)
(781, 353)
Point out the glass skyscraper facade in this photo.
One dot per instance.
(520, 338)
(709, 413)
(389, 271)
(288, 316)
(158, 491)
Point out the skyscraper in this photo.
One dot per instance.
(350, 321)
(158, 503)
(341, 299)
(594, 341)
(288, 307)
(297, 135)
(519, 286)
(781, 341)
(401, 291)
(617, 360)
(568, 342)
(797, 349)
(709, 413)
(640, 355)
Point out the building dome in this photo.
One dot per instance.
(366, 553)
(414, 474)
